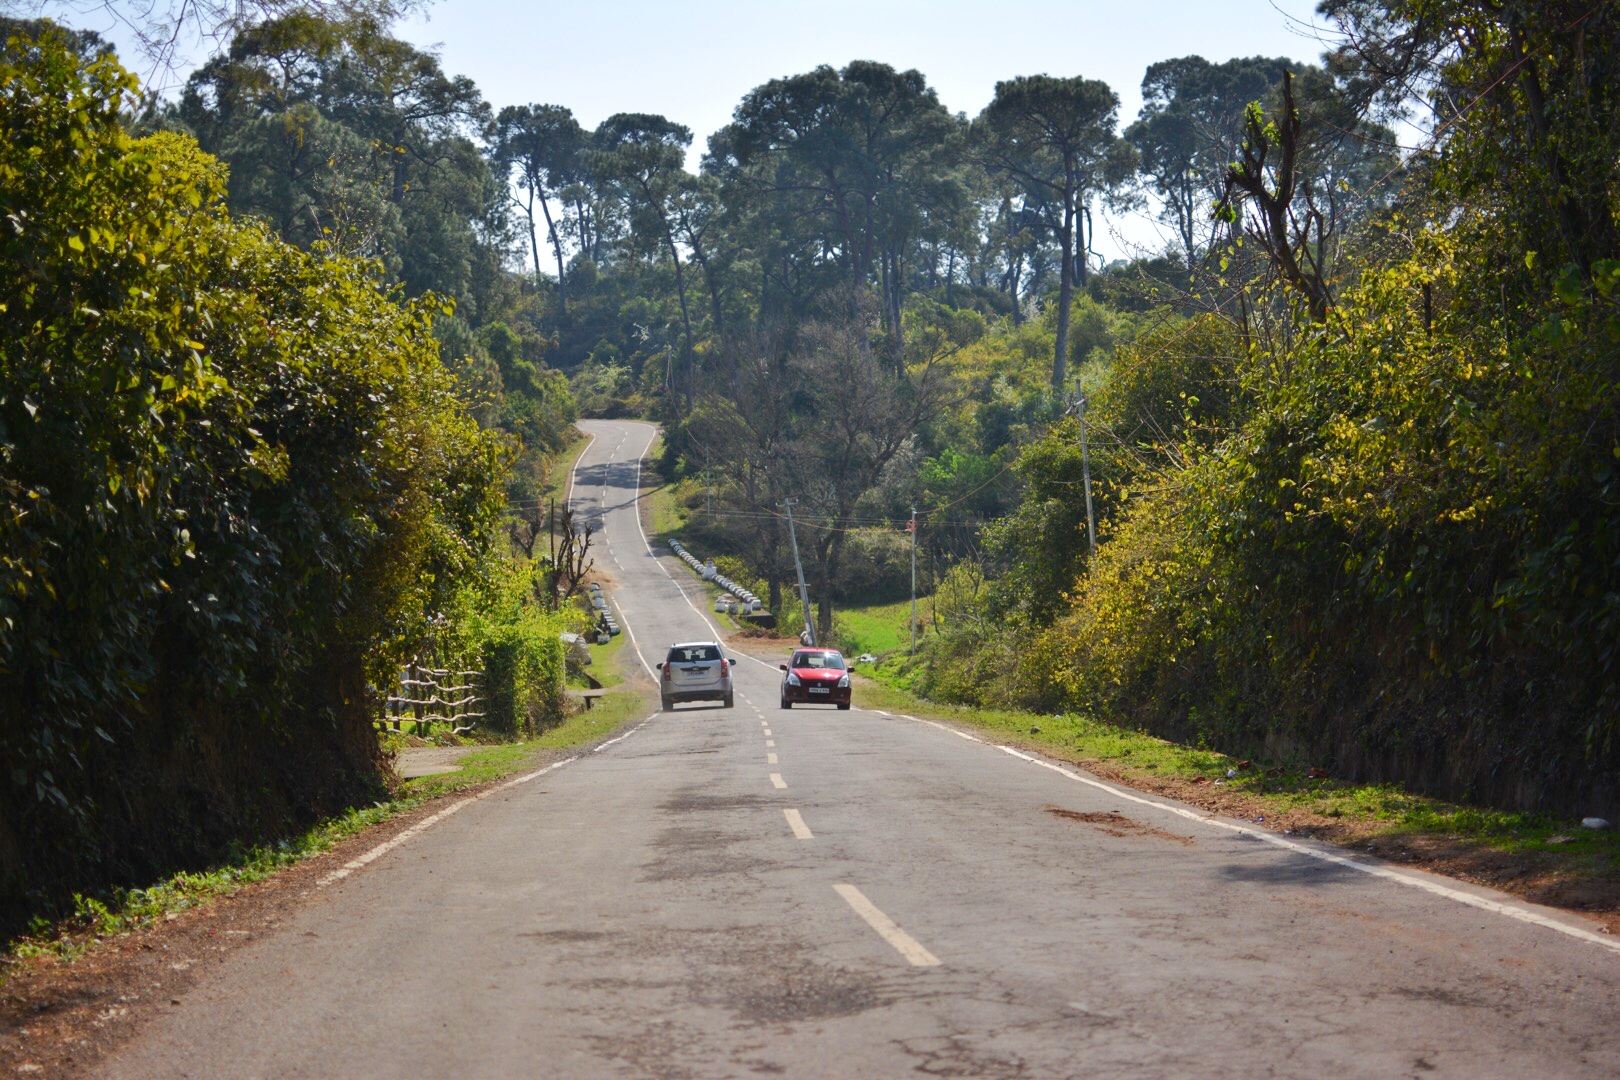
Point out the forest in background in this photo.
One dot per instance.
(1351, 437)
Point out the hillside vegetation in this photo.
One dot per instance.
(1332, 479)
(240, 488)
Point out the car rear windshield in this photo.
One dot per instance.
(816, 659)
(692, 654)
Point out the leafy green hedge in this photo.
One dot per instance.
(496, 625)
(1404, 563)
(236, 479)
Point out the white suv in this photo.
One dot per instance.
(695, 671)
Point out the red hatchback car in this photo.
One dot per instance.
(815, 677)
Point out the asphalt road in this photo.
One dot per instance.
(821, 893)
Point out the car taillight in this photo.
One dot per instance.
(666, 672)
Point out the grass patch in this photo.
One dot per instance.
(611, 710)
(605, 666)
(878, 628)
(607, 660)
(562, 469)
(1397, 812)
(438, 733)
(1075, 736)
(666, 511)
(123, 910)
(1382, 810)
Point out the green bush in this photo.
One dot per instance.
(237, 482)
(497, 626)
(740, 572)
(1402, 562)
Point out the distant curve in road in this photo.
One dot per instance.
(817, 893)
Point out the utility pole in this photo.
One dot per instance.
(804, 593)
(911, 527)
(1078, 409)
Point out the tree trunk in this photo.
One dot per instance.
(1060, 352)
(1184, 219)
(891, 308)
(686, 314)
(1082, 251)
(857, 265)
(556, 246)
(534, 241)
(897, 298)
(709, 283)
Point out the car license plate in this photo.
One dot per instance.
(820, 690)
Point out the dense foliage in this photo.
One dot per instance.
(1351, 439)
(238, 483)
(1380, 534)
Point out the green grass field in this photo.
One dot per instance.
(562, 469)
(604, 666)
(880, 628)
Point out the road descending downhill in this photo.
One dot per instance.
(730, 892)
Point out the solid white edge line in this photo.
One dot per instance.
(795, 822)
(1386, 873)
(942, 727)
(428, 822)
(903, 943)
(621, 738)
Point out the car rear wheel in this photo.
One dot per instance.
(843, 706)
(666, 703)
(729, 700)
(786, 704)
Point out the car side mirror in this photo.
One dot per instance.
(782, 666)
(659, 665)
(731, 663)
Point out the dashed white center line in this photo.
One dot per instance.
(796, 823)
(770, 759)
(767, 732)
(906, 945)
(777, 781)
(770, 742)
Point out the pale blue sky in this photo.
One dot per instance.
(694, 61)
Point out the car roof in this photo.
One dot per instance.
(825, 652)
(690, 644)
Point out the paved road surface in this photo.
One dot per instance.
(820, 893)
